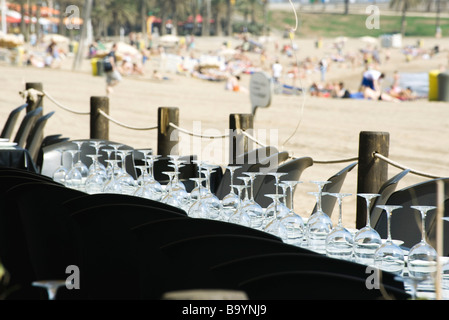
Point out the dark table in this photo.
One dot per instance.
(16, 157)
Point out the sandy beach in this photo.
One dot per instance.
(328, 128)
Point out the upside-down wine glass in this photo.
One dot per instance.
(319, 224)
(339, 242)
(142, 190)
(61, 171)
(97, 145)
(252, 208)
(230, 202)
(422, 257)
(97, 177)
(112, 185)
(293, 222)
(367, 240)
(196, 209)
(210, 200)
(389, 257)
(73, 179)
(127, 181)
(83, 168)
(240, 216)
(275, 226)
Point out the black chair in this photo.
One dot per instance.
(293, 168)
(315, 285)
(110, 250)
(385, 192)
(24, 173)
(48, 140)
(240, 270)
(26, 125)
(198, 254)
(155, 234)
(36, 137)
(51, 158)
(34, 233)
(406, 222)
(91, 200)
(10, 123)
(337, 180)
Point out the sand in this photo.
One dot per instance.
(328, 128)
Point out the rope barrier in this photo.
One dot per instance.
(397, 165)
(64, 107)
(196, 134)
(104, 114)
(336, 161)
(253, 139)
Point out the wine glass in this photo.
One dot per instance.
(319, 224)
(195, 199)
(51, 286)
(144, 168)
(97, 177)
(97, 145)
(422, 257)
(275, 226)
(389, 257)
(240, 216)
(210, 200)
(73, 178)
(230, 202)
(339, 242)
(367, 240)
(156, 189)
(112, 185)
(127, 181)
(61, 171)
(82, 168)
(142, 190)
(293, 223)
(252, 208)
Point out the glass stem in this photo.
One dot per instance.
(389, 225)
(340, 215)
(423, 223)
(368, 218)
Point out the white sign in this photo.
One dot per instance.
(261, 90)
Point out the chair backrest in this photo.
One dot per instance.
(246, 161)
(51, 159)
(293, 168)
(406, 222)
(189, 170)
(26, 125)
(36, 137)
(385, 192)
(315, 285)
(10, 123)
(337, 180)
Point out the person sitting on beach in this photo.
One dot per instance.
(339, 91)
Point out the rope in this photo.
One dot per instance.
(336, 161)
(104, 114)
(397, 165)
(63, 107)
(253, 139)
(196, 134)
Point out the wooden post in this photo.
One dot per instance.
(372, 172)
(238, 143)
(167, 136)
(34, 104)
(99, 125)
